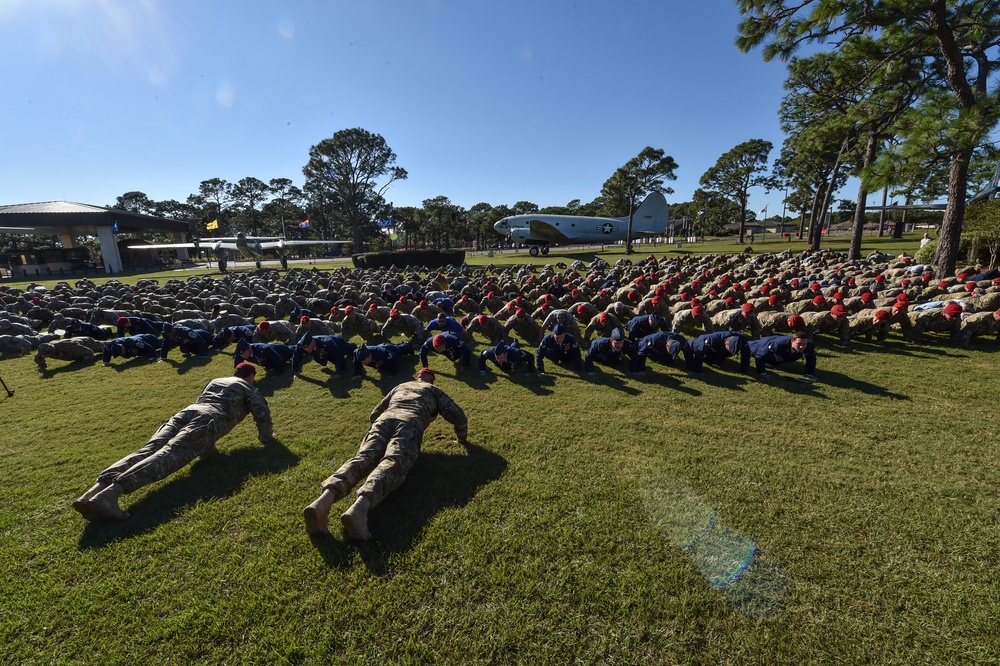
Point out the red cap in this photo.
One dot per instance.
(838, 310)
(581, 310)
(905, 282)
(519, 312)
(373, 306)
(900, 305)
(490, 294)
(880, 278)
(730, 300)
(603, 318)
(264, 325)
(349, 309)
(746, 308)
(438, 341)
(656, 300)
(423, 304)
(394, 314)
(304, 319)
(839, 296)
(402, 299)
(123, 321)
(773, 299)
(926, 277)
(765, 289)
(903, 298)
(866, 297)
(427, 372)
(796, 322)
(953, 309)
(962, 276)
(819, 300)
(697, 311)
(685, 296)
(970, 286)
(548, 297)
(881, 314)
(814, 286)
(482, 319)
(943, 284)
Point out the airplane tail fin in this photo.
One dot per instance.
(651, 217)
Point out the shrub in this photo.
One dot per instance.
(429, 258)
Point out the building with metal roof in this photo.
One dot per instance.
(68, 219)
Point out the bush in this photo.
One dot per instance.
(429, 258)
(925, 254)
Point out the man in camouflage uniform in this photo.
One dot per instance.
(404, 324)
(689, 321)
(524, 326)
(273, 331)
(387, 453)
(80, 350)
(191, 432)
(947, 319)
(357, 324)
(976, 324)
(602, 324)
(488, 326)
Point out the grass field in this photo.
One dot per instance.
(662, 519)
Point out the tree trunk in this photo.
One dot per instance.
(951, 228)
(882, 213)
(858, 231)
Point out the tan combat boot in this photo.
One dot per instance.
(355, 519)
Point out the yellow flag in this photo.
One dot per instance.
(213, 225)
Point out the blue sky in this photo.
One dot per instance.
(494, 102)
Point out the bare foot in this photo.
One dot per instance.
(355, 520)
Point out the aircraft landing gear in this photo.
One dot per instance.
(533, 250)
(545, 250)
(258, 264)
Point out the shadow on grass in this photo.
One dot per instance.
(721, 380)
(271, 382)
(72, 366)
(611, 381)
(667, 381)
(129, 364)
(436, 482)
(843, 381)
(188, 363)
(212, 477)
(337, 385)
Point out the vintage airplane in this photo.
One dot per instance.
(253, 247)
(543, 231)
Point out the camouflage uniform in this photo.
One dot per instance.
(602, 329)
(976, 324)
(824, 322)
(736, 320)
(524, 326)
(357, 324)
(277, 331)
(14, 345)
(405, 324)
(492, 329)
(773, 322)
(192, 432)
(73, 349)
(933, 320)
(315, 327)
(392, 444)
(687, 321)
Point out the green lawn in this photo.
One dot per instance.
(663, 519)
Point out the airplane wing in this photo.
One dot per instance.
(203, 245)
(545, 231)
(267, 245)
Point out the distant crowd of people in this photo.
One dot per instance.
(762, 310)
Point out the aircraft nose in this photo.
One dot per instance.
(501, 226)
